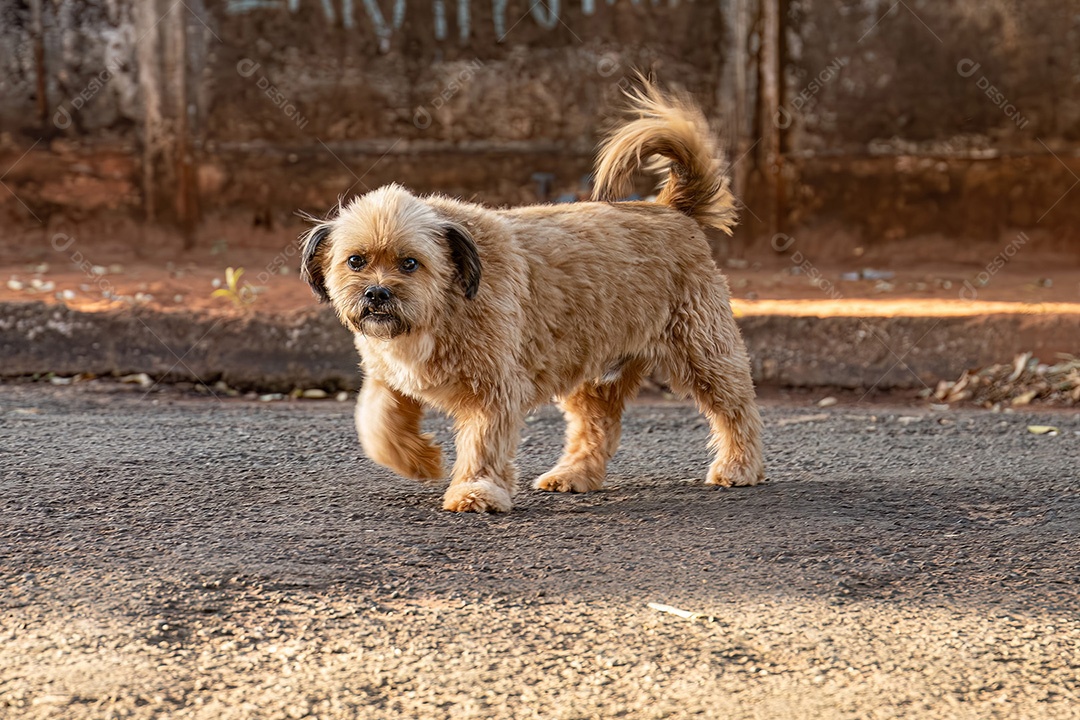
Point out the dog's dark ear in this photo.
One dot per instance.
(311, 270)
(466, 258)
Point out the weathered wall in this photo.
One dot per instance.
(921, 117)
(886, 120)
(266, 105)
(475, 107)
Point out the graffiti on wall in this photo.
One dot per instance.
(545, 13)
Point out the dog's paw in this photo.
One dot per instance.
(415, 457)
(729, 474)
(572, 478)
(423, 461)
(477, 496)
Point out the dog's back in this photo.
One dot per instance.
(670, 137)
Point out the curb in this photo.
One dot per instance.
(310, 349)
(252, 352)
(896, 353)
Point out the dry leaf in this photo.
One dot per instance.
(684, 614)
(1022, 381)
(1025, 398)
(1019, 363)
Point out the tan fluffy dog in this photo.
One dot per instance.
(485, 314)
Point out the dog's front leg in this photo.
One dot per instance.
(388, 424)
(485, 478)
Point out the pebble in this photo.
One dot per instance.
(223, 387)
(314, 394)
(827, 401)
(52, 699)
(14, 284)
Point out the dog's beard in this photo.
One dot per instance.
(384, 322)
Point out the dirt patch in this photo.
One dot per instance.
(100, 275)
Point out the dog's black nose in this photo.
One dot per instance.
(377, 294)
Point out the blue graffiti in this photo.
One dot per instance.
(545, 13)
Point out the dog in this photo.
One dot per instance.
(486, 314)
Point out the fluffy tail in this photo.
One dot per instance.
(669, 137)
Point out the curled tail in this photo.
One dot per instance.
(669, 137)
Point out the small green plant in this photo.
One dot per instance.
(239, 295)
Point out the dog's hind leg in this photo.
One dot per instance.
(709, 361)
(388, 425)
(593, 426)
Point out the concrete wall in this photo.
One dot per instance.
(882, 120)
(922, 117)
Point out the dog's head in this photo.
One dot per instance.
(387, 261)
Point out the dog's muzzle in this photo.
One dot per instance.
(378, 314)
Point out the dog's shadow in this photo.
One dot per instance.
(636, 475)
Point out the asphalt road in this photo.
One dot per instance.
(184, 558)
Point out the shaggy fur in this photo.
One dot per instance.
(485, 314)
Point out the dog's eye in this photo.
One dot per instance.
(409, 265)
(356, 262)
